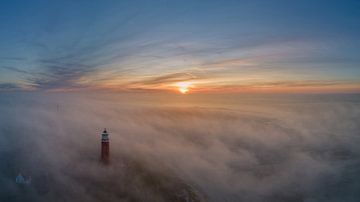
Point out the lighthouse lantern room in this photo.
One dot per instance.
(105, 147)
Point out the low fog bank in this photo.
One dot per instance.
(213, 148)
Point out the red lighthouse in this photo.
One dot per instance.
(105, 148)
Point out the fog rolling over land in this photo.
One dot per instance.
(193, 148)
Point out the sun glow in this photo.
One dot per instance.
(183, 87)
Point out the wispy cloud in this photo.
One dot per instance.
(131, 46)
(9, 86)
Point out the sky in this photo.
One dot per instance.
(186, 46)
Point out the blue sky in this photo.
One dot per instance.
(214, 45)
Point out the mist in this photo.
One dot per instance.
(180, 147)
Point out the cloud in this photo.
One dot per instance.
(9, 87)
(260, 148)
(12, 58)
(15, 69)
(170, 78)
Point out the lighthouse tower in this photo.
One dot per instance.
(105, 147)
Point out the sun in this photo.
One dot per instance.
(183, 90)
(183, 87)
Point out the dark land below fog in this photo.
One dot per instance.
(164, 147)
